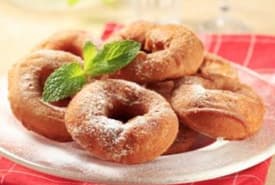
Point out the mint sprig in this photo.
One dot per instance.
(70, 78)
(113, 57)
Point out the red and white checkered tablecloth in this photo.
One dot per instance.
(254, 51)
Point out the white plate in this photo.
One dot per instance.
(69, 161)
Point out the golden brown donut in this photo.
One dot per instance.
(218, 108)
(120, 121)
(213, 67)
(26, 81)
(184, 141)
(71, 41)
(168, 52)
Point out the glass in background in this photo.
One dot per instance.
(224, 23)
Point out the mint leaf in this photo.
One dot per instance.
(64, 82)
(72, 2)
(89, 53)
(113, 57)
(70, 78)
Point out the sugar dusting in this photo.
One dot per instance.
(109, 133)
(110, 137)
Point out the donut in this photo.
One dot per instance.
(213, 67)
(184, 141)
(218, 108)
(168, 52)
(71, 41)
(26, 80)
(120, 121)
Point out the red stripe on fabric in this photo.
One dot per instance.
(263, 56)
(233, 50)
(109, 29)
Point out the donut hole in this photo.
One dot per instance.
(151, 45)
(125, 112)
(62, 103)
(43, 75)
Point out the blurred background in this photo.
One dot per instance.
(29, 21)
(24, 23)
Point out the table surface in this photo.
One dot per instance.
(21, 28)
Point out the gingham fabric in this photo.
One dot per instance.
(254, 51)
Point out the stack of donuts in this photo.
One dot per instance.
(158, 104)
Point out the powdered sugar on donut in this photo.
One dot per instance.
(143, 137)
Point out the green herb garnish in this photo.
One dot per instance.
(70, 78)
